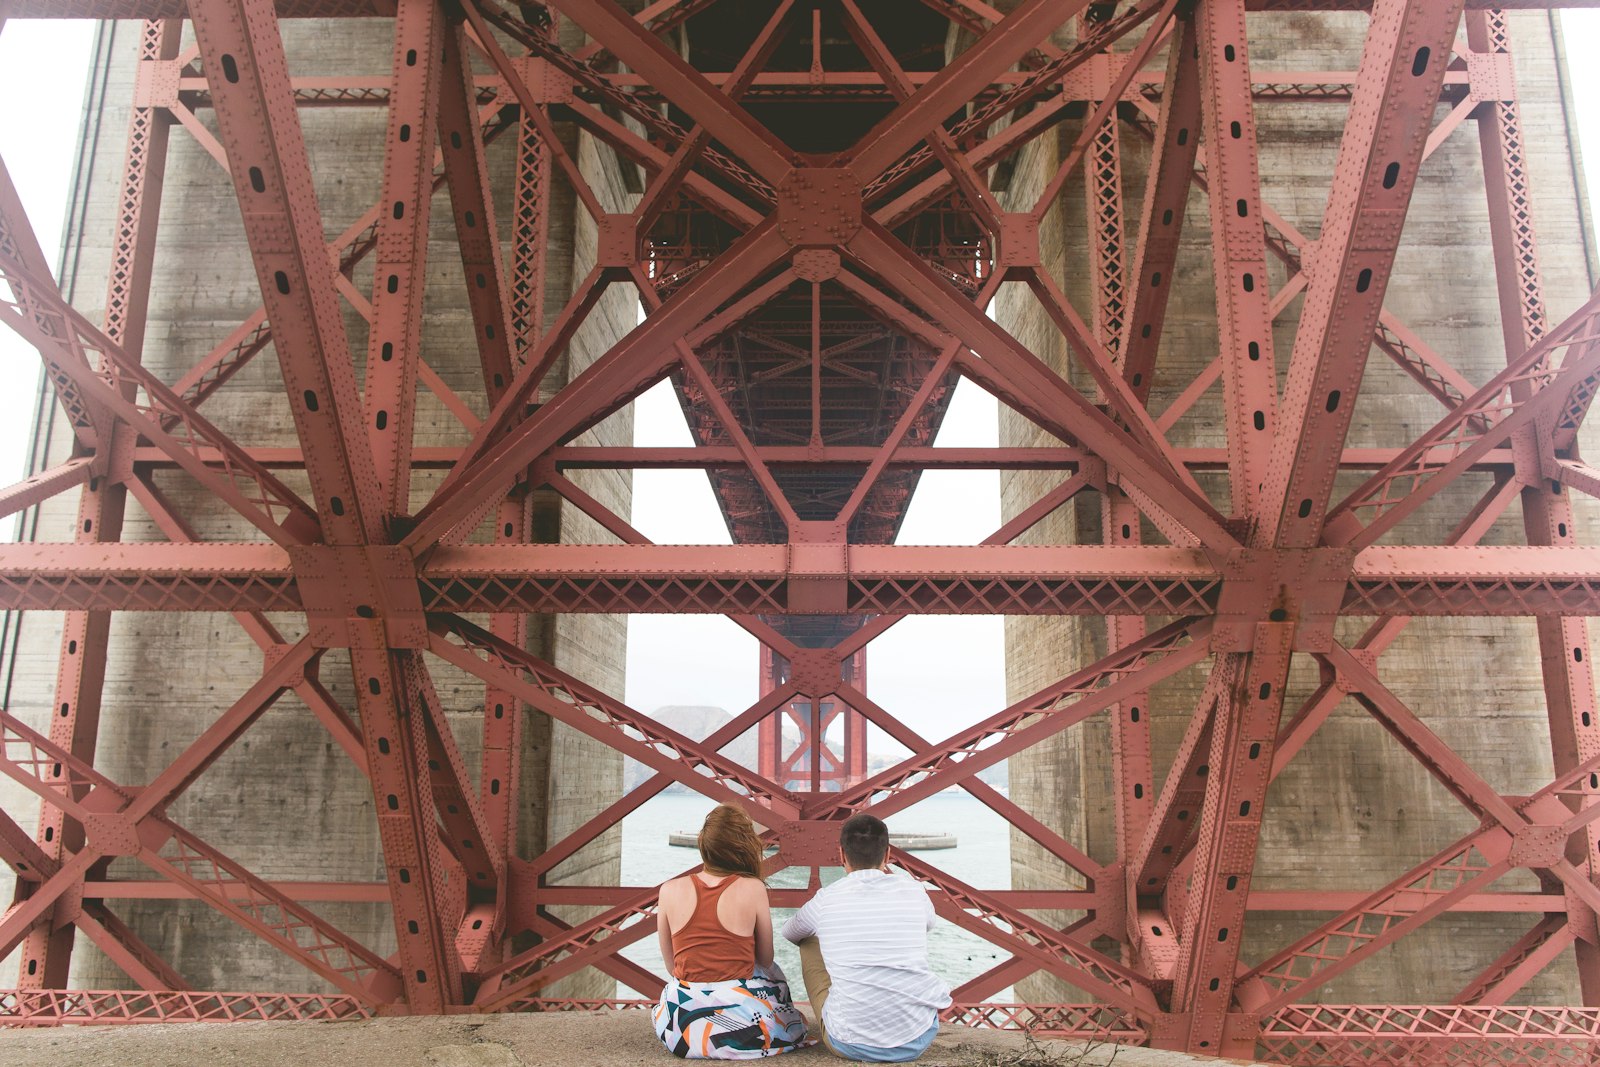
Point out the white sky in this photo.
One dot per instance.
(37, 142)
(937, 673)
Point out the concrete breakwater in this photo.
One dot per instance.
(908, 842)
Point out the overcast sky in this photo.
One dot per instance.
(37, 142)
(937, 673)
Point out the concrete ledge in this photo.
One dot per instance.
(564, 1039)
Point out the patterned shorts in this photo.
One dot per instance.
(740, 1020)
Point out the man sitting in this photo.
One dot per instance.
(864, 951)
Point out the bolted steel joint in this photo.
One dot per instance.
(819, 207)
(814, 672)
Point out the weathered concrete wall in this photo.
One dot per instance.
(286, 801)
(1352, 810)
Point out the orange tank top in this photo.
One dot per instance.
(705, 950)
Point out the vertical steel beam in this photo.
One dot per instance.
(1177, 140)
(1131, 768)
(1102, 189)
(81, 667)
(1564, 648)
(427, 887)
(254, 103)
(1170, 174)
(500, 780)
(1212, 925)
(477, 234)
(530, 227)
(1391, 115)
(1239, 250)
(394, 341)
(248, 75)
(853, 765)
(500, 329)
(769, 734)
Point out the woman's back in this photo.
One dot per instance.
(712, 926)
(728, 999)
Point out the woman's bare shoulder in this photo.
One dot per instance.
(675, 886)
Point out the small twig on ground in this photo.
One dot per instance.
(1033, 1054)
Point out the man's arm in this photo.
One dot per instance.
(803, 923)
(927, 907)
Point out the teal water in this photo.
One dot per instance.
(982, 859)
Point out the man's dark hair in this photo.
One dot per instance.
(865, 840)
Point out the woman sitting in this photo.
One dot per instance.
(727, 999)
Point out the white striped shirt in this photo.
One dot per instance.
(873, 930)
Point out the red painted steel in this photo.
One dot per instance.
(794, 746)
(816, 247)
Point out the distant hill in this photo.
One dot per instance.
(699, 721)
(694, 721)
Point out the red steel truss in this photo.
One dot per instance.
(796, 748)
(818, 240)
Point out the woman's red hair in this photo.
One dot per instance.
(728, 843)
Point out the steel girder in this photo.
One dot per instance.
(813, 309)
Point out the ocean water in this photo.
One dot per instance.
(982, 859)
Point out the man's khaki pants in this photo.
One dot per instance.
(817, 984)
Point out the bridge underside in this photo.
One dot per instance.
(814, 203)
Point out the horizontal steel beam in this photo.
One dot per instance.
(1429, 1033)
(1329, 86)
(1260, 899)
(714, 457)
(807, 579)
(56, 1007)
